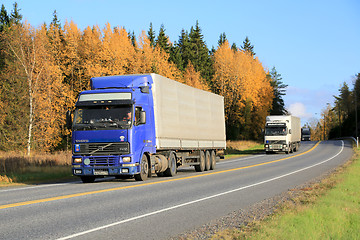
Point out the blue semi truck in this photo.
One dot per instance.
(139, 125)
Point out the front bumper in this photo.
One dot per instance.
(276, 147)
(103, 166)
(105, 171)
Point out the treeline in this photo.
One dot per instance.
(43, 69)
(342, 119)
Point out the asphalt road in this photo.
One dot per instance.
(160, 208)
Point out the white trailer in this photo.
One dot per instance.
(282, 134)
(187, 117)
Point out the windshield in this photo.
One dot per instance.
(275, 131)
(102, 117)
(306, 132)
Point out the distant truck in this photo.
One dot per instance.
(282, 134)
(138, 125)
(305, 134)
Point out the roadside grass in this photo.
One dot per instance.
(326, 210)
(242, 148)
(16, 168)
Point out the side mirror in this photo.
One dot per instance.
(289, 131)
(142, 117)
(68, 119)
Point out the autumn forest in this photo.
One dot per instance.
(42, 70)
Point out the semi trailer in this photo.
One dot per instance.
(282, 134)
(139, 125)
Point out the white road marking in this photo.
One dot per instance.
(198, 200)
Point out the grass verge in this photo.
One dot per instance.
(327, 210)
(17, 169)
(242, 148)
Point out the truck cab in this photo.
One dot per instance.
(112, 128)
(282, 134)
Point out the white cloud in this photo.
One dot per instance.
(298, 109)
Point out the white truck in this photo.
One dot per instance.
(282, 134)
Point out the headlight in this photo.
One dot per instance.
(284, 146)
(266, 145)
(77, 160)
(126, 159)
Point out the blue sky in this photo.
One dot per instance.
(314, 44)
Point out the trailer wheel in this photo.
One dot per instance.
(87, 179)
(207, 161)
(171, 170)
(144, 169)
(212, 160)
(201, 166)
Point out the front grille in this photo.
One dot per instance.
(102, 148)
(273, 142)
(103, 161)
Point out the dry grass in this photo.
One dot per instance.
(241, 144)
(14, 162)
(16, 166)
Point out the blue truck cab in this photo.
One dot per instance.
(113, 126)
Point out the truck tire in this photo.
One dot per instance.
(87, 179)
(207, 161)
(201, 166)
(171, 170)
(212, 160)
(144, 169)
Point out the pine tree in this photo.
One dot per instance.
(222, 39)
(279, 88)
(151, 35)
(247, 47)
(55, 22)
(162, 41)
(199, 53)
(176, 56)
(4, 18)
(234, 47)
(16, 17)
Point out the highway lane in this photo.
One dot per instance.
(161, 207)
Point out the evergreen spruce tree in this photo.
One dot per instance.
(222, 39)
(278, 105)
(176, 56)
(55, 22)
(247, 47)
(15, 16)
(162, 40)
(133, 39)
(151, 35)
(184, 47)
(199, 53)
(4, 23)
(234, 47)
(4, 18)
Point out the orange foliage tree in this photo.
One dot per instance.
(31, 50)
(242, 81)
(57, 64)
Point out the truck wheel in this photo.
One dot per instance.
(207, 161)
(212, 160)
(171, 170)
(201, 166)
(144, 169)
(87, 179)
